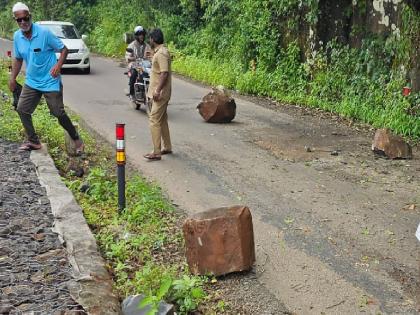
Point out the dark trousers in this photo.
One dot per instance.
(29, 100)
(132, 80)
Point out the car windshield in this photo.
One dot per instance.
(63, 31)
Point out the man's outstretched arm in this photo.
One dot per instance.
(16, 67)
(55, 71)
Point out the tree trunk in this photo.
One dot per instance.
(415, 79)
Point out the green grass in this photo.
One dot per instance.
(142, 245)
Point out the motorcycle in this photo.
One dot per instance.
(141, 86)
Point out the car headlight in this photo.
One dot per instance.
(84, 50)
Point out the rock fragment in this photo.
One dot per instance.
(217, 107)
(220, 241)
(390, 145)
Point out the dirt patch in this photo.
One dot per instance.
(244, 294)
(332, 144)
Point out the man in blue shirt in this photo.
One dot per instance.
(37, 47)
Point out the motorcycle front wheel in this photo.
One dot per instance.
(135, 104)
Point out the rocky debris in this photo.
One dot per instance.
(217, 107)
(246, 295)
(131, 306)
(308, 148)
(76, 166)
(394, 147)
(84, 187)
(34, 270)
(220, 241)
(331, 152)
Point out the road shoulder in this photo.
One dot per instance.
(92, 285)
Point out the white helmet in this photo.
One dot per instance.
(138, 30)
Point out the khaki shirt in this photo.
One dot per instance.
(161, 62)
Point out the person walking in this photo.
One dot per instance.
(160, 93)
(37, 47)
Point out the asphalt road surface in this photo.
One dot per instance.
(334, 234)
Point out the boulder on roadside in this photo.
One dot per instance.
(392, 146)
(220, 241)
(217, 107)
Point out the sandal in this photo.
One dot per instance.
(152, 157)
(163, 152)
(29, 146)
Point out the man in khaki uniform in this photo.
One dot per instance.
(160, 93)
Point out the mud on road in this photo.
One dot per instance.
(354, 210)
(335, 222)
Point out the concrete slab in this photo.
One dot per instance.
(92, 284)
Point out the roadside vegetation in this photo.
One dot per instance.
(265, 48)
(144, 244)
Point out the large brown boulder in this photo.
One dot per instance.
(220, 241)
(394, 147)
(217, 107)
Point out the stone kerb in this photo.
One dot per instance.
(92, 285)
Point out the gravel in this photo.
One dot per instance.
(247, 296)
(34, 269)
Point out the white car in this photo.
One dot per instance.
(78, 56)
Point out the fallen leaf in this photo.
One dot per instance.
(411, 207)
(371, 302)
(332, 241)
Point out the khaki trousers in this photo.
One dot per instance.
(158, 121)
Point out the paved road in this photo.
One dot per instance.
(330, 233)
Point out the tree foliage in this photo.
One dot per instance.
(307, 52)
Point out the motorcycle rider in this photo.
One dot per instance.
(139, 49)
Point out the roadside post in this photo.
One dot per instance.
(121, 158)
(9, 58)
